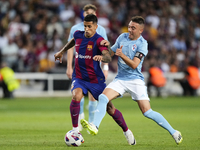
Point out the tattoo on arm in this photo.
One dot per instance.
(110, 51)
(106, 58)
(69, 45)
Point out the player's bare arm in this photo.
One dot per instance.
(59, 55)
(69, 45)
(110, 51)
(105, 57)
(133, 63)
(107, 43)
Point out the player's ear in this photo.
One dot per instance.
(141, 28)
(96, 26)
(84, 14)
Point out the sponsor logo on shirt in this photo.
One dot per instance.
(89, 47)
(82, 56)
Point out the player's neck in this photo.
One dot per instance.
(90, 36)
(134, 39)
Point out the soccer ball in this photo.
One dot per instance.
(73, 138)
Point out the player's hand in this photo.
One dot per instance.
(119, 51)
(69, 72)
(104, 43)
(58, 56)
(97, 58)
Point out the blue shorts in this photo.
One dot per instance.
(94, 88)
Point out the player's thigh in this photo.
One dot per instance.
(77, 94)
(110, 93)
(96, 89)
(78, 89)
(115, 89)
(91, 98)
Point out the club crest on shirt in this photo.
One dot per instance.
(134, 47)
(89, 47)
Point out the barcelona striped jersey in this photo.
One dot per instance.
(86, 48)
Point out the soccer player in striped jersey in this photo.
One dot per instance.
(131, 48)
(87, 74)
(88, 9)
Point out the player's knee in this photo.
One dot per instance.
(77, 97)
(103, 98)
(147, 113)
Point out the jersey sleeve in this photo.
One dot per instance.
(75, 34)
(101, 47)
(142, 48)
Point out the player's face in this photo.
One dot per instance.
(89, 11)
(134, 30)
(90, 29)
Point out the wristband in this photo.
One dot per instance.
(105, 67)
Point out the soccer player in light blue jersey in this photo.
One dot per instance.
(88, 9)
(131, 48)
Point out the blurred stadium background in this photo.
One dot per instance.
(31, 31)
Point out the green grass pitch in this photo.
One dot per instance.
(41, 123)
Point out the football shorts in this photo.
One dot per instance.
(94, 88)
(136, 88)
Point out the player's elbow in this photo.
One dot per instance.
(133, 66)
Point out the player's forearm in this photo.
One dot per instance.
(106, 58)
(110, 51)
(131, 63)
(69, 45)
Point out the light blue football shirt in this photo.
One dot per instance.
(130, 48)
(80, 26)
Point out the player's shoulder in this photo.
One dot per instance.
(98, 37)
(123, 36)
(142, 40)
(78, 33)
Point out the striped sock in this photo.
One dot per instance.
(119, 119)
(74, 110)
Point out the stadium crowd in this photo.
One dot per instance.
(32, 31)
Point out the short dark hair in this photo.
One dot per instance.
(91, 17)
(138, 19)
(90, 6)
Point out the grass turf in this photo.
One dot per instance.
(41, 123)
